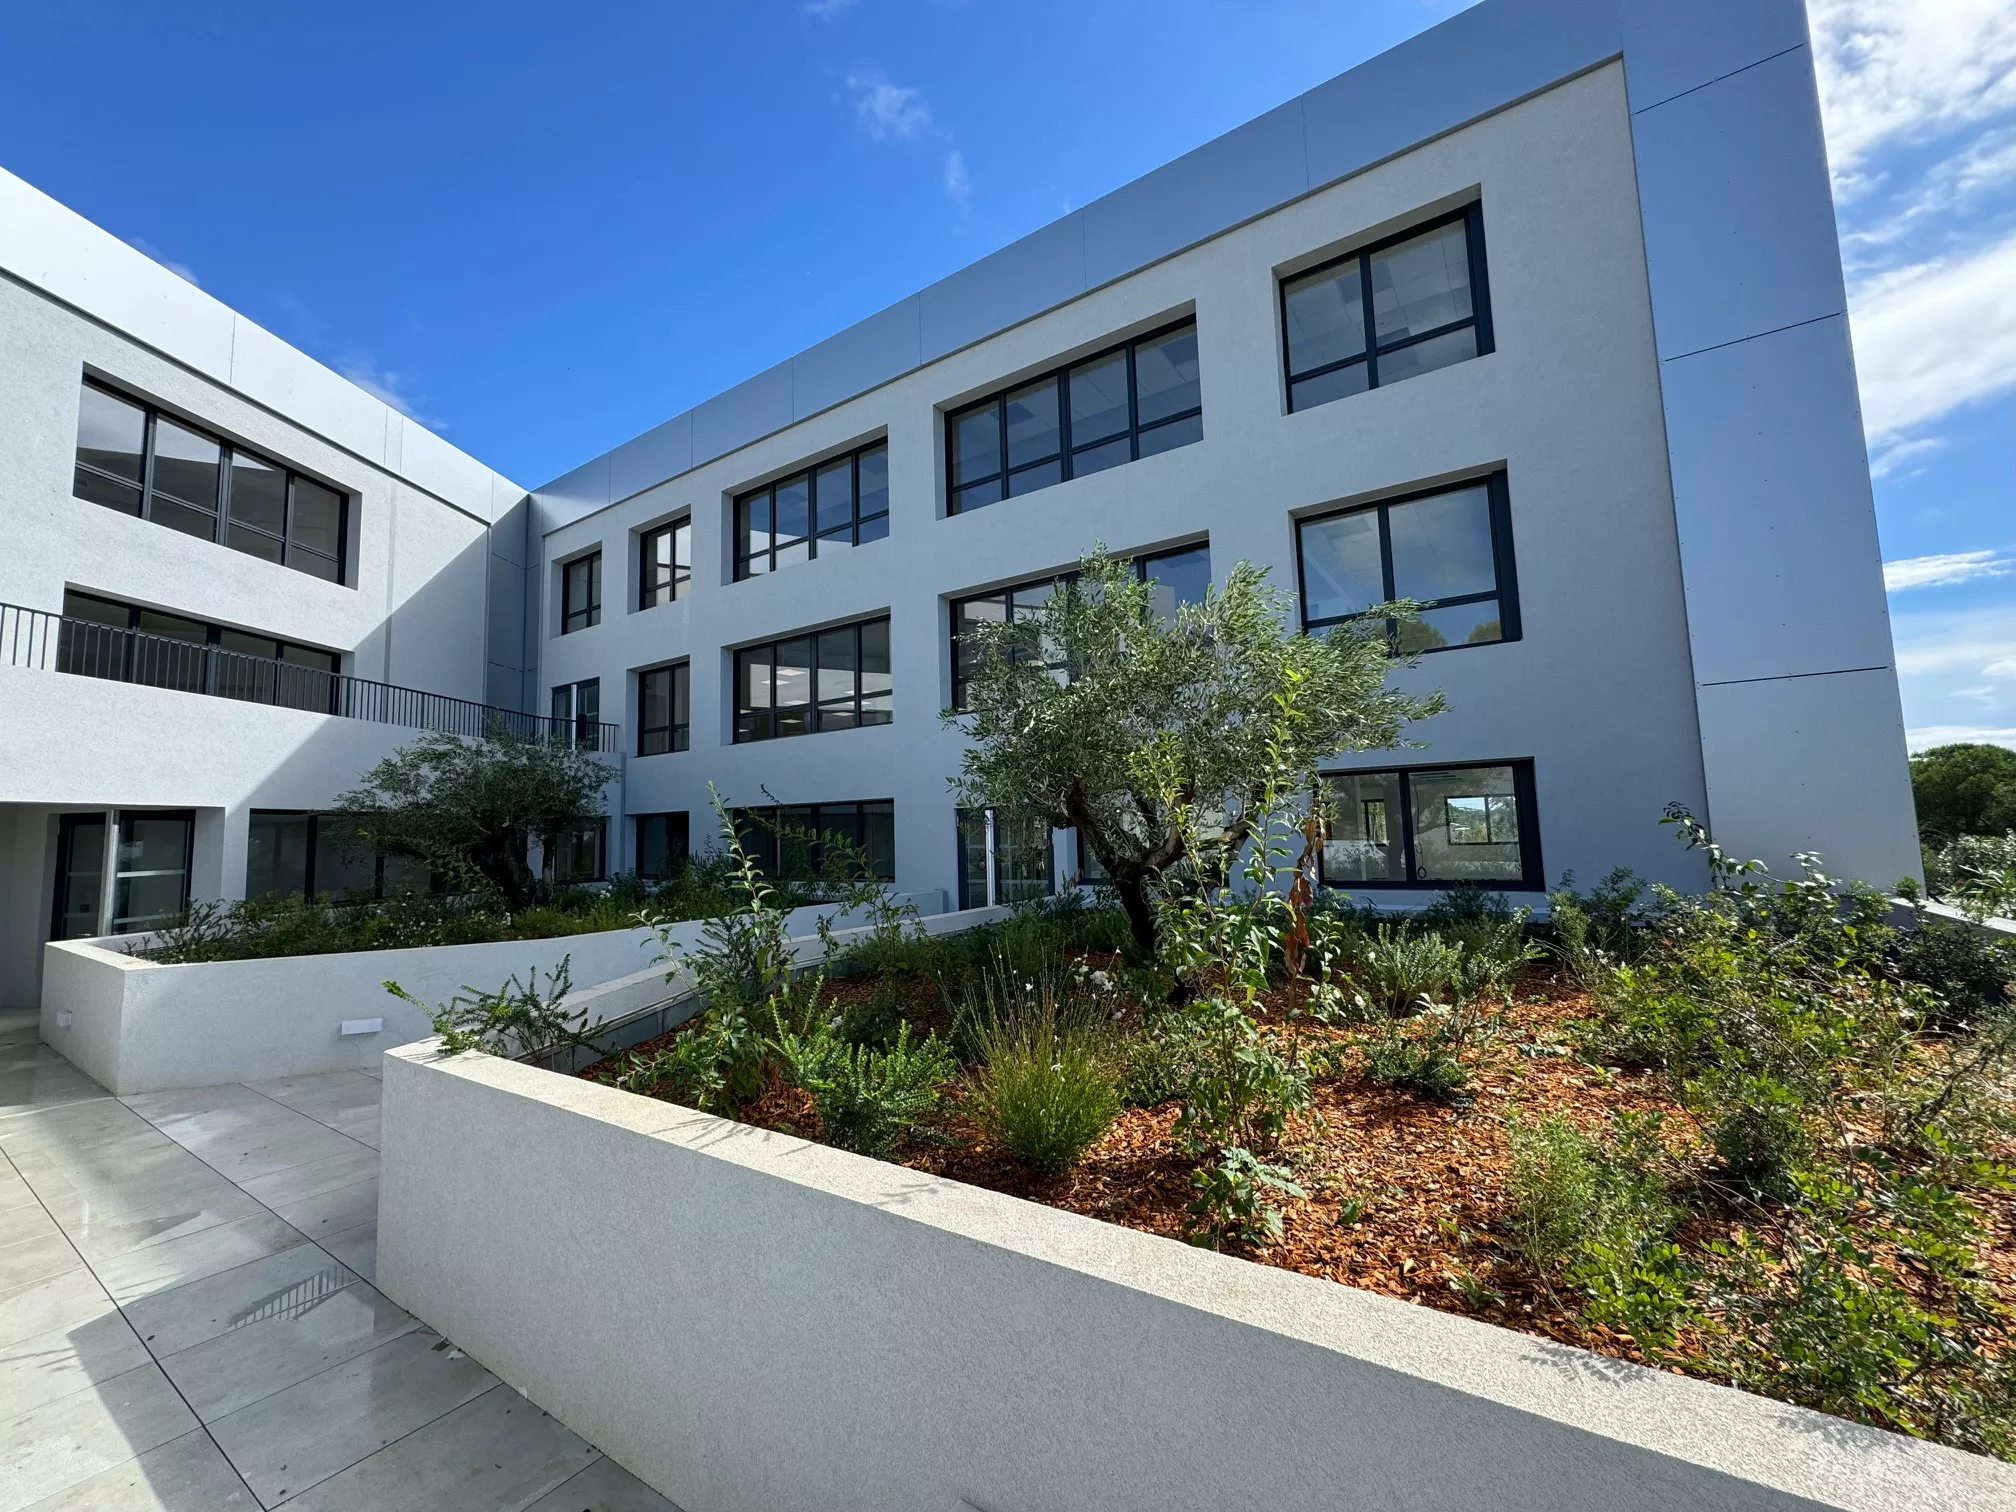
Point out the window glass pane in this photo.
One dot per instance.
(344, 860)
(1099, 399)
(111, 434)
(563, 706)
(878, 838)
(152, 878)
(1326, 317)
(873, 528)
(1466, 826)
(252, 542)
(1098, 458)
(966, 614)
(249, 671)
(1169, 436)
(654, 697)
(794, 671)
(1340, 384)
(317, 522)
(276, 855)
(752, 678)
(1458, 625)
(186, 465)
(1422, 283)
(588, 702)
(754, 542)
(171, 652)
(1341, 573)
(1426, 356)
(837, 672)
(875, 656)
(976, 444)
(682, 551)
(1442, 546)
(835, 499)
(1032, 423)
(978, 496)
(315, 564)
(83, 606)
(1165, 375)
(258, 494)
(1023, 870)
(970, 831)
(92, 489)
(1365, 843)
(874, 484)
(1180, 577)
(1029, 479)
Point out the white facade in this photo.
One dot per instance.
(1668, 398)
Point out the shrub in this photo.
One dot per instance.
(1972, 973)
(1602, 928)
(1045, 1085)
(1422, 1056)
(873, 1020)
(515, 1019)
(1231, 1205)
(1240, 1089)
(1157, 1063)
(866, 1097)
(1399, 969)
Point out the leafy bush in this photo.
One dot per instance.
(866, 1097)
(1399, 969)
(1231, 1205)
(1974, 974)
(1157, 1063)
(515, 1019)
(1593, 931)
(1045, 1085)
(873, 1020)
(1241, 1088)
(1426, 1055)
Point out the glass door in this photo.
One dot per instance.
(150, 886)
(80, 876)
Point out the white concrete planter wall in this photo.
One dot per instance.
(752, 1323)
(139, 1026)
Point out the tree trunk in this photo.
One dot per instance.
(1130, 879)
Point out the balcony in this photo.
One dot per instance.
(85, 648)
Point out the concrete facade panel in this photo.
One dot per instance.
(1670, 49)
(1042, 270)
(1739, 218)
(662, 452)
(753, 408)
(886, 345)
(1777, 522)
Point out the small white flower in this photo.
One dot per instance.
(1101, 980)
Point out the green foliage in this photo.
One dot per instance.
(1232, 1207)
(1241, 1087)
(1160, 1061)
(873, 1020)
(1976, 874)
(1973, 973)
(472, 809)
(1045, 1086)
(1401, 969)
(1592, 932)
(1426, 1054)
(515, 1019)
(1964, 790)
(1201, 688)
(866, 1097)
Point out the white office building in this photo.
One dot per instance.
(1537, 319)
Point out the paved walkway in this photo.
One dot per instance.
(187, 1320)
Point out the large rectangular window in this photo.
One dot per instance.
(80, 876)
(664, 719)
(830, 680)
(797, 842)
(664, 564)
(577, 713)
(1401, 307)
(104, 638)
(133, 458)
(1137, 399)
(840, 503)
(1449, 551)
(580, 855)
(303, 854)
(662, 841)
(1434, 827)
(581, 593)
(150, 879)
(1180, 577)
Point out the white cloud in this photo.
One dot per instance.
(1927, 736)
(1907, 71)
(828, 10)
(1980, 642)
(958, 187)
(1935, 336)
(1886, 458)
(388, 387)
(888, 112)
(181, 270)
(1946, 569)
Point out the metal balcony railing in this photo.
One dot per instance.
(85, 648)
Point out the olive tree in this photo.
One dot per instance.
(472, 809)
(1061, 699)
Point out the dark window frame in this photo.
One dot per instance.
(809, 475)
(677, 822)
(1064, 459)
(1504, 562)
(315, 818)
(220, 513)
(586, 733)
(79, 659)
(814, 710)
(550, 860)
(756, 826)
(673, 582)
(1533, 871)
(678, 736)
(1140, 564)
(1472, 217)
(187, 817)
(590, 613)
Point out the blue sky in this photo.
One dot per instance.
(542, 231)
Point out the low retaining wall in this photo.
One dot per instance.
(752, 1323)
(134, 1025)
